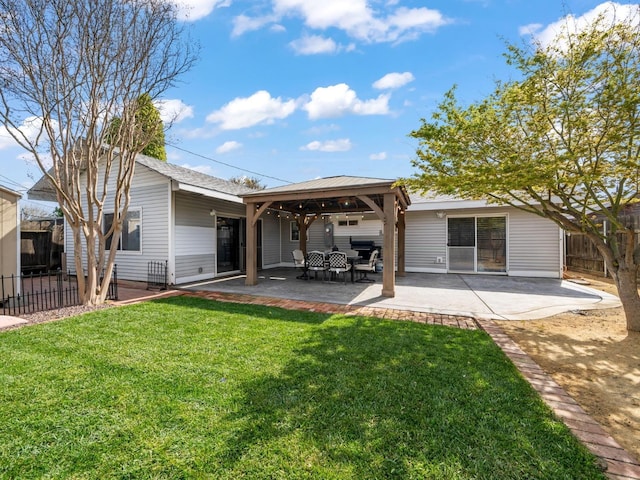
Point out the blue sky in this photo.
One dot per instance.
(290, 90)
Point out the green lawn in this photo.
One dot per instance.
(189, 388)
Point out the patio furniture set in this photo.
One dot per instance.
(335, 264)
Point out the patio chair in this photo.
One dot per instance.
(339, 264)
(300, 262)
(364, 268)
(316, 263)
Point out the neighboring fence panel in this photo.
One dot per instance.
(583, 256)
(38, 292)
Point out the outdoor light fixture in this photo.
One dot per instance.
(212, 212)
(440, 214)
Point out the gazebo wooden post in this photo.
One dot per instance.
(254, 211)
(388, 248)
(302, 229)
(401, 243)
(252, 243)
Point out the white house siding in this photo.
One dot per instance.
(368, 228)
(195, 234)
(425, 242)
(271, 241)
(315, 240)
(535, 246)
(150, 194)
(533, 243)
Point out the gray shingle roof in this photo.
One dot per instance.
(43, 190)
(191, 177)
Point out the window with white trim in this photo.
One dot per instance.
(129, 239)
(294, 232)
(347, 223)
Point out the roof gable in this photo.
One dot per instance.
(43, 190)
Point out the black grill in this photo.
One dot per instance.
(365, 248)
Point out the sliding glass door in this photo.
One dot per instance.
(461, 243)
(477, 244)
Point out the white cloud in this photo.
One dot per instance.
(355, 17)
(313, 45)
(378, 156)
(259, 108)
(199, 168)
(6, 140)
(228, 147)
(45, 158)
(192, 10)
(30, 128)
(393, 80)
(341, 145)
(338, 100)
(243, 24)
(613, 13)
(530, 29)
(173, 110)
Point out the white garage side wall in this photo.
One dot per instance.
(149, 195)
(535, 246)
(195, 234)
(425, 242)
(315, 239)
(271, 255)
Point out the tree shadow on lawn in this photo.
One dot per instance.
(365, 398)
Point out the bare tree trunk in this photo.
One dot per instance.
(68, 70)
(627, 284)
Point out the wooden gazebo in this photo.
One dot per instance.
(307, 201)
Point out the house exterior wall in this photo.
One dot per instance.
(315, 239)
(271, 252)
(195, 234)
(534, 244)
(150, 194)
(9, 235)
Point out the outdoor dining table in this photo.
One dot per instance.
(352, 259)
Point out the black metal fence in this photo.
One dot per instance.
(157, 275)
(38, 292)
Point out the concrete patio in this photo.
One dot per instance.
(479, 296)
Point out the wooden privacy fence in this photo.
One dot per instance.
(38, 292)
(582, 256)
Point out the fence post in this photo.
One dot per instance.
(59, 286)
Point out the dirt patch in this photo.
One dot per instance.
(595, 360)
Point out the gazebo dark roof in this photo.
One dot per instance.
(329, 195)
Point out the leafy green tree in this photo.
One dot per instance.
(561, 142)
(150, 125)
